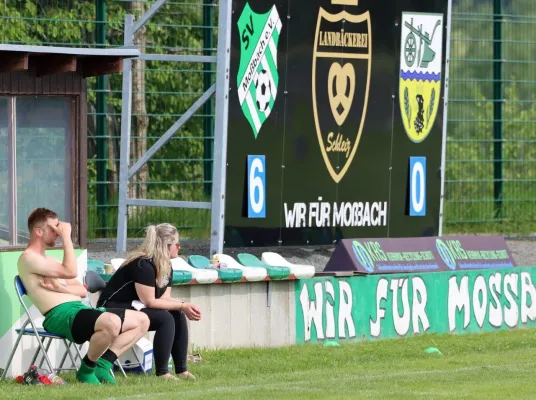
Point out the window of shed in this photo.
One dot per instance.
(43, 138)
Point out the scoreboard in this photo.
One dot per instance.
(335, 120)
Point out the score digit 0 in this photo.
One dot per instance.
(417, 186)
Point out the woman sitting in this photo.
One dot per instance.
(145, 278)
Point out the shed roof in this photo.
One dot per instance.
(51, 59)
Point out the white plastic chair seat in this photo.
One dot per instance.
(200, 275)
(300, 271)
(252, 274)
(116, 263)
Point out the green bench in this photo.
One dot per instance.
(276, 273)
(226, 275)
(181, 277)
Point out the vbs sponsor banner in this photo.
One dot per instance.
(446, 253)
(393, 306)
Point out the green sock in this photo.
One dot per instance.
(86, 374)
(103, 371)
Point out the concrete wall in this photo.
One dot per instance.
(254, 314)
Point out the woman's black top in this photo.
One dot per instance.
(121, 289)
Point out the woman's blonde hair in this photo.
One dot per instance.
(155, 247)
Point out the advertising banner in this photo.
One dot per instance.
(380, 256)
(395, 306)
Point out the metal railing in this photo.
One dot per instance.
(162, 92)
(490, 183)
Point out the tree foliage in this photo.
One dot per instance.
(171, 88)
(165, 90)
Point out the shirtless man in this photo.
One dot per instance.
(57, 294)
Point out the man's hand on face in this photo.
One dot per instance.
(63, 229)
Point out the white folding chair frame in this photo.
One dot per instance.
(38, 334)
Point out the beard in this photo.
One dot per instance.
(51, 243)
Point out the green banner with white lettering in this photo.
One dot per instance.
(402, 305)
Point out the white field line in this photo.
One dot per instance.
(348, 378)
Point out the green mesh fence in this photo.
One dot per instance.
(490, 176)
(48, 22)
(162, 93)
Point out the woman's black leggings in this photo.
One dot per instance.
(171, 337)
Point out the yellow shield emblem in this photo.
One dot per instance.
(421, 53)
(340, 86)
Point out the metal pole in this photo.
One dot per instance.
(220, 129)
(147, 15)
(208, 108)
(445, 119)
(126, 113)
(12, 171)
(171, 131)
(102, 140)
(497, 110)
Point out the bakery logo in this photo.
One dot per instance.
(420, 72)
(342, 58)
(258, 78)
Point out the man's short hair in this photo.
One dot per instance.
(39, 216)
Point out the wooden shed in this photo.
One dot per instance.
(43, 133)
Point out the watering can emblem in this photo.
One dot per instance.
(421, 53)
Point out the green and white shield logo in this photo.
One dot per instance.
(257, 77)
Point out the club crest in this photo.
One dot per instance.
(258, 78)
(421, 53)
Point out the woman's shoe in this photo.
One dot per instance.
(169, 376)
(187, 375)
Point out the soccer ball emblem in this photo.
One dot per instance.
(263, 90)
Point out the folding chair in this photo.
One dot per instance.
(94, 283)
(39, 333)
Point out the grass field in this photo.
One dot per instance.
(485, 366)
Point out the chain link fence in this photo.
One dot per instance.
(490, 176)
(162, 92)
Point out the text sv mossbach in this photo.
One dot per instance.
(436, 302)
(323, 214)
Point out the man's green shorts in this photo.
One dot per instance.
(60, 319)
